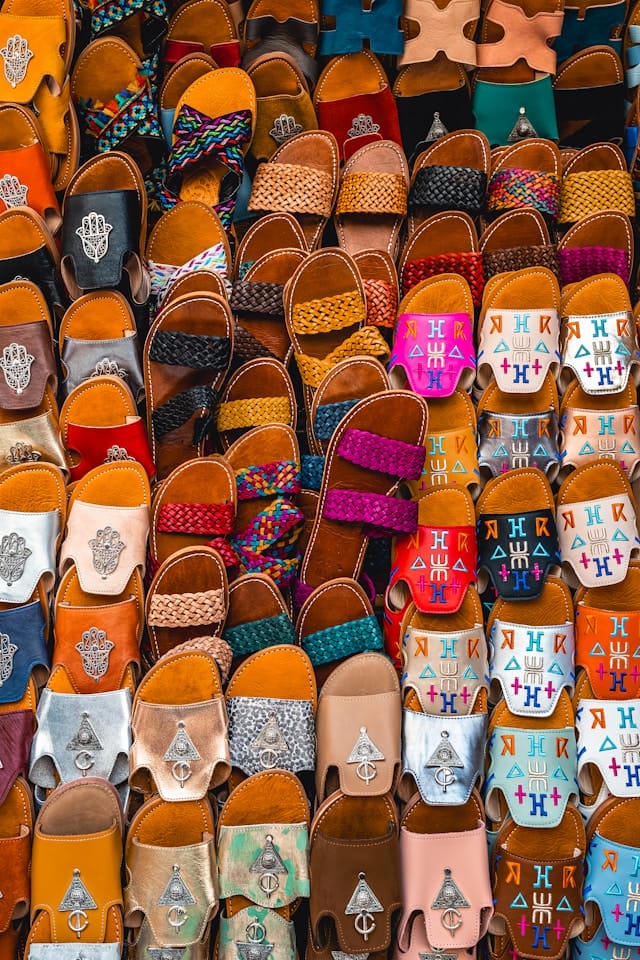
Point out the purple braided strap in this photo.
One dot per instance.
(384, 516)
(578, 263)
(373, 452)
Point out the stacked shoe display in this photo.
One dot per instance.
(319, 447)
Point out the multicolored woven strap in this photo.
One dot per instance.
(328, 416)
(253, 412)
(105, 14)
(343, 640)
(578, 263)
(247, 638)
(382, 302)
(268, 544)
(213, 259)
(131, 111)
(593, 190)
(366, 342)
(312, 470)
(514, 188)
(268, 479)
(197, 138)
(467, 265)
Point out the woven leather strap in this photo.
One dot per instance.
(519, 258)
(373, 193)
(514, 188)
(468, 265)
(201, 519)
(254, 412)
(382, 303)
(367, 342)
(373, 452)
(291, 188)
(249, 296)
(187, 609)
(381, 515)
(578, 263)
(246, 638)
(268, 544)
(312, 470)
(247, 347)
(343, 640)
(328, 313)
(179, 409)
(593, 190)
(449, 188)
(182, 349)
(268, 479)
(328, 416)
(218, 648)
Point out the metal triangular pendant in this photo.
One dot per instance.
(270, 742)
(436, 130)
(444, 755)
(181, 747)
(364, 749)
(86, 738)
(522, 129)
(268, 860)
(176, 890)
(363, 899)
(341, 955)
(77, 896)
(166, 953)
(449, 896)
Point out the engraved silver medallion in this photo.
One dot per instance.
(284, 127)
(14, 554)
(362, 905)
(362, 126)
(12, 192)
(15, 363)
(444, 760)
(94, 234)
(22, 453)
(84, 741)
(450, 900)
(256, 946)
(106, 548)
(522, 128)
(76, 901)
(268, 864)
(16, 55)
(181, 751)
(269, 743)
(176, 896)
(365, 753)
(94, 650)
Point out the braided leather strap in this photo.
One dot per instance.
(449, 188)
(255, 412)
(187, 609)
(247, 347)
(179, 409)
(249, 296)
(216, 647)
(268, 544)
(247, 638)
(312, 470)
(510, 189)
(518, 258)
(200, 519)
(343, 640)
(467, 265)
(373, 452)
(268, 479)
(182, 349)
(382, 515)
(382, 303)
(329, 313)
(328, 416)
(594, 190)
(291, 188)
(371, 193)
(578, 263)
(366, 342)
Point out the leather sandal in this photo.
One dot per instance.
(178, 78)
(27, 249)
(430, 30)
(380, 281)
(267, 30)
(33, 435)
(589, 94)
(203, 27)
(595, 178)
(268, 235)
(16, 831)
(447, 242)
(597, 524)
(515, 240)
(597, 426)
(258, 616)
(258, 394)
(99, 423)
(451, 174)
(179, 729)
(283, 103)
(26, 180)
(143, 28)
(26, 347)
(598, 243)
(186, 357)
(79, 830)
(526, 174)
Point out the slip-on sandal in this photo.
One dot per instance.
(516, 239)
(105, 227)
(430, 29)
(594, 428)
(584, 27)
(447, 242)
(76, 891)
(283, 103)
(539, 797)
(116, 109)
(185, 239)
(33, 506)
(198, 281)
(372, 201)
(527, 174)
(186, 357)
(16, 831)
(514, 40)
(531, 651)
(26, 347)
(271, 704)
(98, 337)
(30, 436)
(258, 616)
(446, 889)
(17, 726)
(294, 31)
(177, 79)
(521, 856)
(451, 174)
(170, 898)
(595, 178)
(599, 339)
(335, 622)
(27, 249)
(376, 445)
(301, 178)
(179, 728)
(517, 535)
(268, 526)
(345, 30)
(203, 27)
(186, 600)
(339, 390)
(259, 393)
(354, 910)
(597, 524)
(194, 506)
(26, 178)
(380, 280)
(358, 728)
(354, 101)
(326, 315)
(99, 423)
(212, 132)
(589, 93)
(433, 351)
(517, 430)
(266, 235)
(598, 243)
(519, 330)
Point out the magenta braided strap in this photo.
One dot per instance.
(578, 263)
(373, 452)
(524, 188)
(384, 515)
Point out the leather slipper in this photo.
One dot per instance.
(266, 235)
(451, 174)
(26, 347)
(258, 394)
(517, 239)
(33, 435)
(16, 831)
(447, 242)
(258, 616)
(283, 103)
(27, 249)
(339, 390)
(598, 243)
(205, 27)
(26, 180)
(267, 28)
